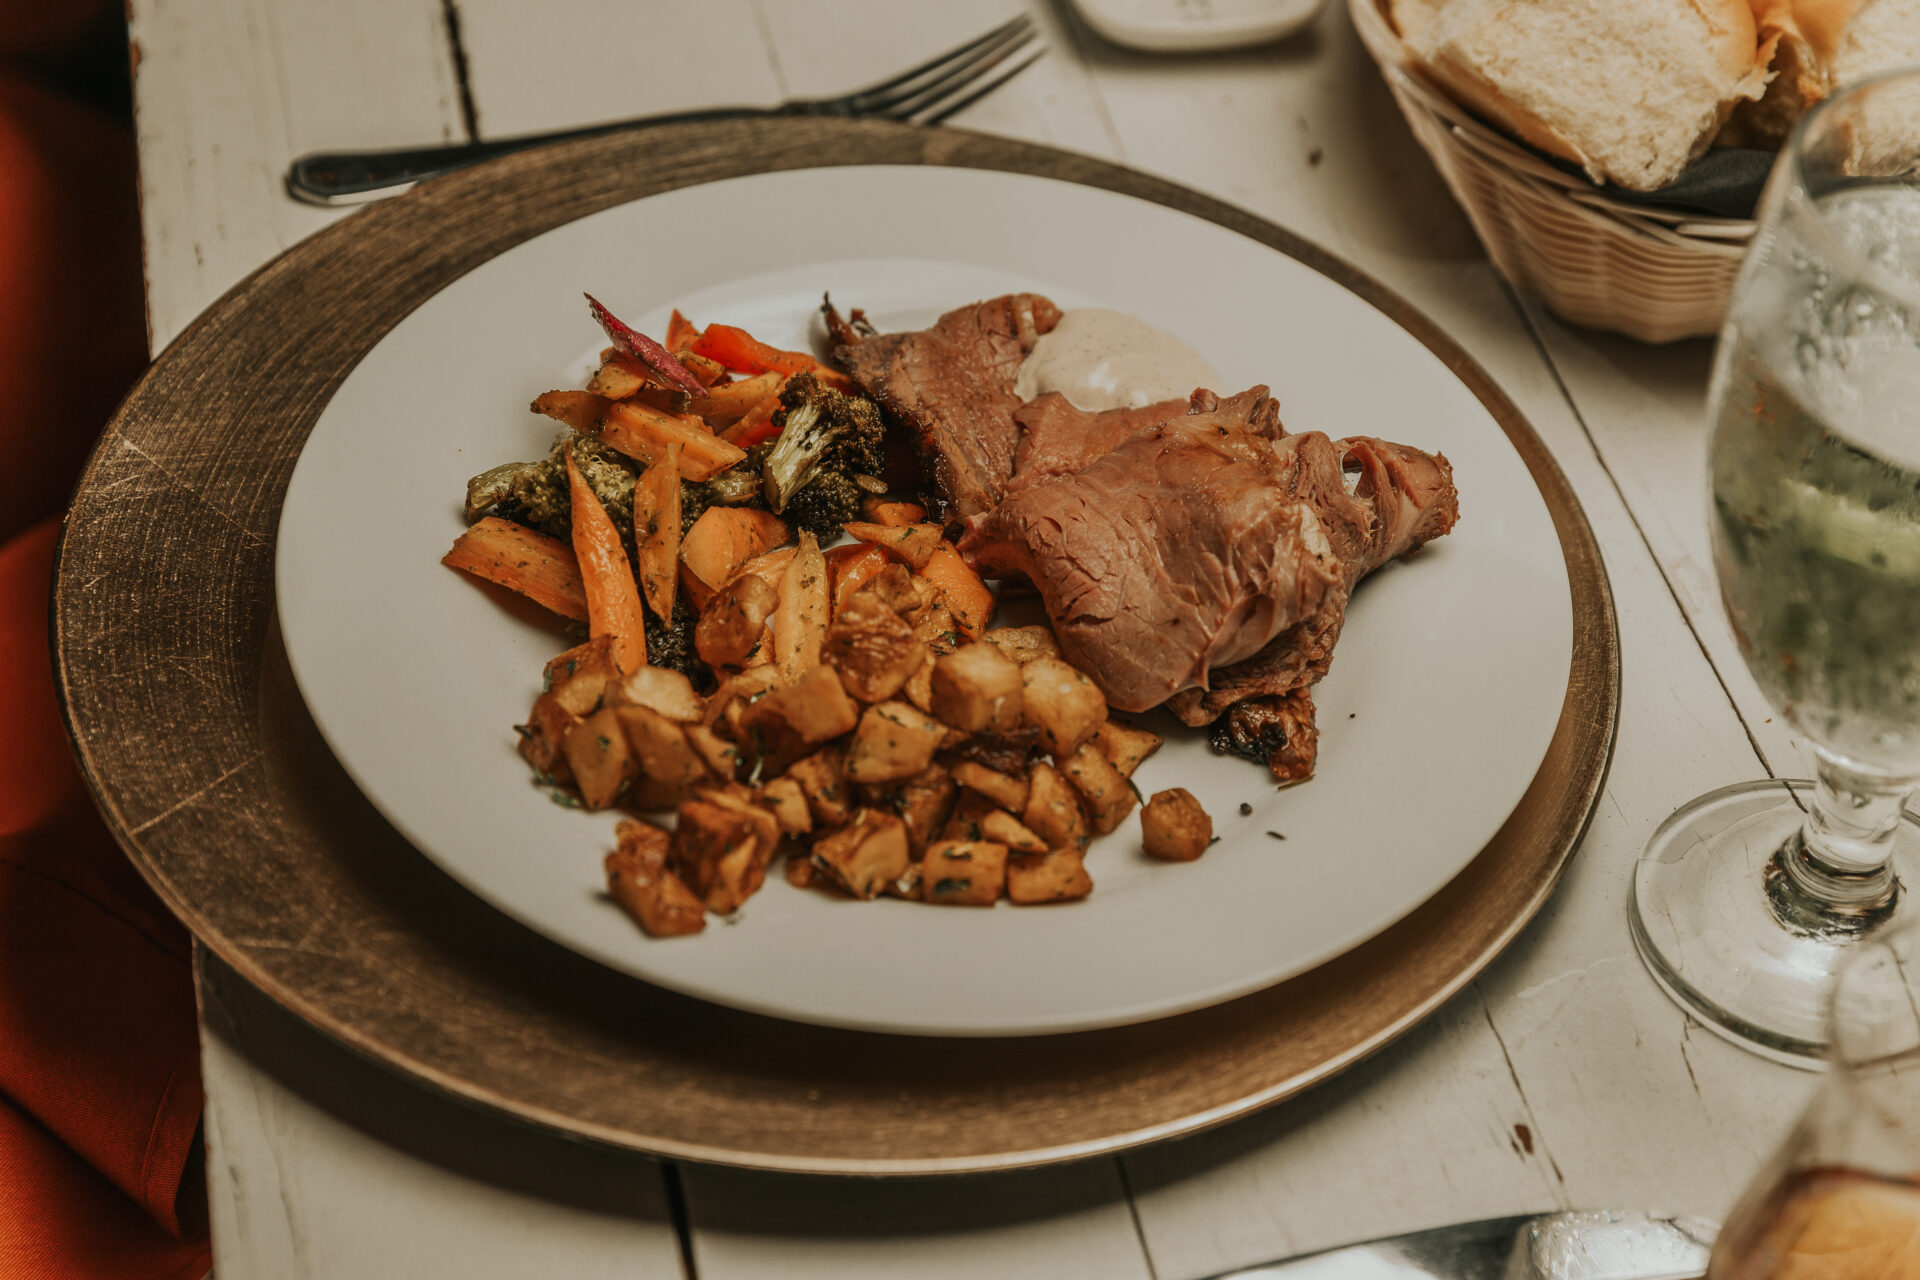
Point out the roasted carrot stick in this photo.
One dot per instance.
(656, 530)
(722, 540)
(893, 514)
(742, 352)
(680, 333)
(724, 405)
(852, 567)
(613, 601)
(643, 433)
(540, 568)
(967, 595)
(755, 426)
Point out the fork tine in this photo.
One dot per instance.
(985, 89)
(906, 103)
(880, 97)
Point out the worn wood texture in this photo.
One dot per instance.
(188, 727)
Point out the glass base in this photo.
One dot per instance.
(1722, 927)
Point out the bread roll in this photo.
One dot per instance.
(1411, 17)
(1799, 40)
(1881, 35)
(1630, 90)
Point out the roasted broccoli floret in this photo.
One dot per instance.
(824, 505)
(822, 432)
(738, 486)
(536, 493)
(670, 644)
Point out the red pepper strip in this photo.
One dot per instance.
(741, 351)
(648, 352)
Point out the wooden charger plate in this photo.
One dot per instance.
(189, 729)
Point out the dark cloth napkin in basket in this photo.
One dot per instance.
(1724, 183)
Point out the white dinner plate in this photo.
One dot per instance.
(1445, 688)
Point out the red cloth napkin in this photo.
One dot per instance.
(99, 1061)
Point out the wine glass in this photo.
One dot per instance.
(1841, 1199)
(1749, 898)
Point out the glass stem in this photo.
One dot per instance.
(1838, 867)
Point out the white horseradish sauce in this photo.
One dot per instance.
(1107, 360)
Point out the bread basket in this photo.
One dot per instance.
(1649, 273)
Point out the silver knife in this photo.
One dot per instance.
(1584, 1245)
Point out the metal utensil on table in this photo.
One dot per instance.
(1585, 1245)
(926, 94)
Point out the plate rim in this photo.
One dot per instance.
(162, 813)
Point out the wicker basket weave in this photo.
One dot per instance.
(1648, 273)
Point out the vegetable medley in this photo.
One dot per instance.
(844, 707)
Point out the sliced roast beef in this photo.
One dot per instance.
(1209, 559)
(951, 387)
(1059, 438)
(1399, 500)
(1180, 550)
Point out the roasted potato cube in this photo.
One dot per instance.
(967, 820)
(619, 375)
(721, 757)
(919, 687)
(979, 689)
(742, 800)
(650, 795)
(935, 626)
(1105, 792)
(1058, 875)
(964, 873)
(1024, 644)
(646, 844)
(602, 760)
(737, 689)
(1053, 809)
(731, 624)
(1011, 754)
(895, 740)
(873, 649)
(1125, 745)
(788, 804)
(813, 709)
(579, 678)
(1009, 793)
(1003, 828)
(823, 778)
(737, 876)
(665, 754)
(1063, 704)
(892, 587)
(801, 872)
(715, 850)
(1173, 826)
(922, 802)
(543, 738)
(664, 690)
(907, 885)
(864, 855)
(655, 897)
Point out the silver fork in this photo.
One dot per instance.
(926, 94)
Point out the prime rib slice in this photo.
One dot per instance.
(1183, 548)
(951, 386)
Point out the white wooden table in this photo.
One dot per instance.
(1562, 1077)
